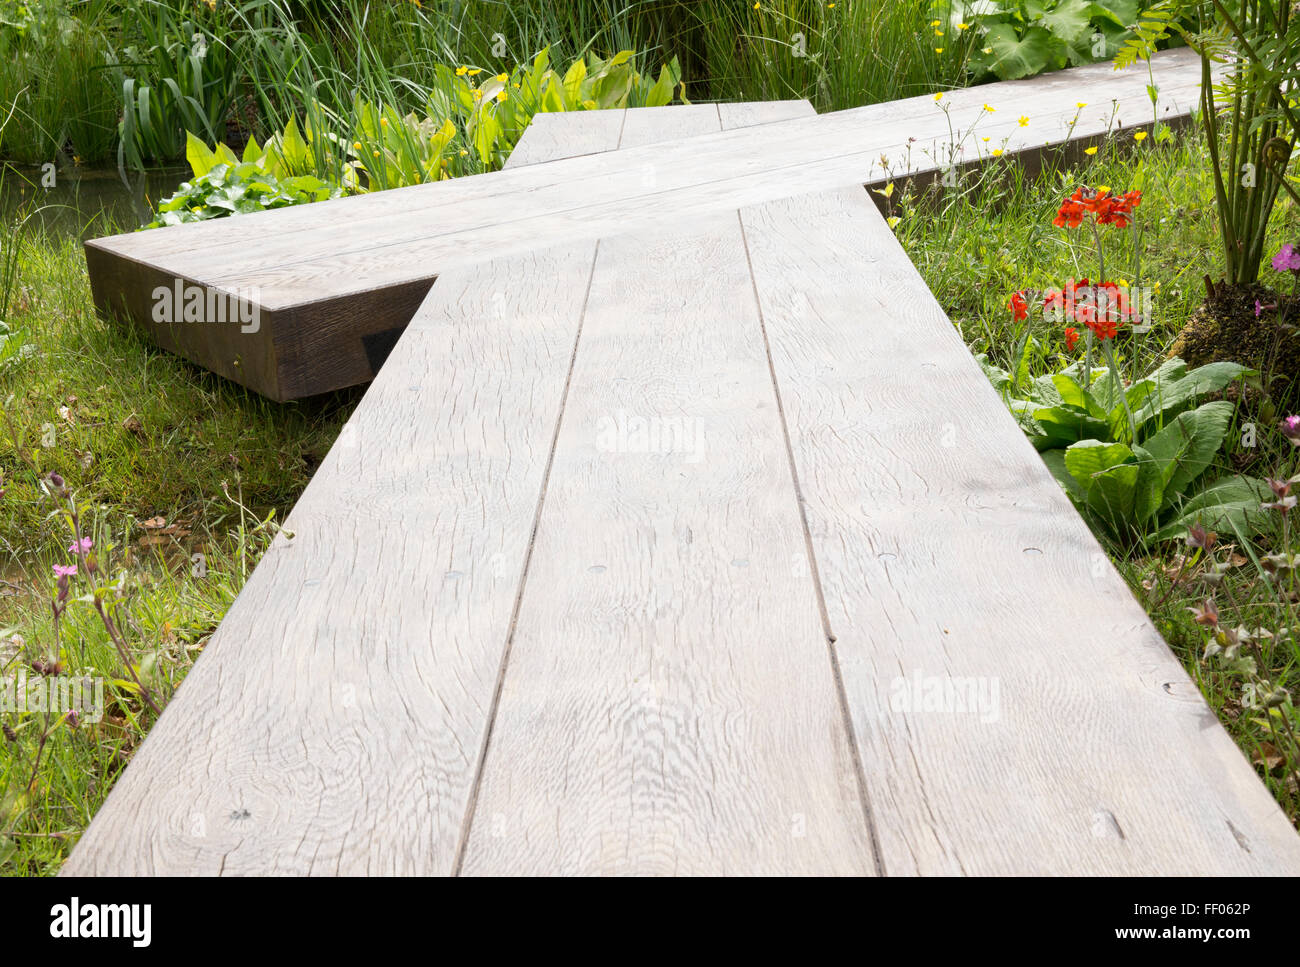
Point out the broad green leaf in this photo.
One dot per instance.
(1068, 426)
(1122, 13)
(1088, 458)
(199, 155)
(1226, 505)
(1112, 495)
(573, 79)
(293, 148)
(1175, 387)
(1184, 448)
(1070, 21)
(1016, 56)
(1150, 486)
(1072, 394)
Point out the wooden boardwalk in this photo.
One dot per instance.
(333, 284)
(703, 547)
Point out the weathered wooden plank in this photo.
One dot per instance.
(298, 265)
(1015, 709)
(345, 695)
(334, 722)
(668, 705)
(567, 134)
(776, 160)
(867, 129)
(603, 195)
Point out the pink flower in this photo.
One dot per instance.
(1260, 307)
(64, 571)
(1287, 259)
(1291, 429)
(81, 546)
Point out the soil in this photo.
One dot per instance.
(1225, 327)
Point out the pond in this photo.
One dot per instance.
(85, 202)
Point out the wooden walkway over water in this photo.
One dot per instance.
(700, 546)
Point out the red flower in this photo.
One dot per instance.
(1103, 328)
(1109, 209)
(1071, 338)
(1018, 306)
(1070, 214)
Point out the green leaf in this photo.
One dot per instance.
(293, 148)
(1150, 486)
(1088, 458)
(573, 79)
(1175, 387)
(199, 156)
(1184, 448)
(1231, 504)
(1015, 56)
(1066, 426)
(1069, 21)
(1072, 394)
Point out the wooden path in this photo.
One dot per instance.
(334, 284)
(697, 548)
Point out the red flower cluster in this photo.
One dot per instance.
(1071, 338)
(1108, 209)
(1101, 306)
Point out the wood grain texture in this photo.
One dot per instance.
(668, 706)
(566, 134)
(1016, 711)
(333, 724)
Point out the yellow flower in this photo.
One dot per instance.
(478, 95)
(501, 95)
(892, 221)
(938, 50)
(997, 152)
(1103, 189)
(963, 26)
(1157, 286)
(886, 192)
(475, 70)
(357, 145)
(830, 6)
(988, 50)
(1024, 121)
(463, 152)
(986, 139)
(503, 78)
(755, 6)
(935, 23)
(1090, 151)
(989, 109)
(383, 122)
(1125, 283)
(1140, 136)
(938, 33)
(462, 70)
(939, 96)
(376, 154)
(1081, 104)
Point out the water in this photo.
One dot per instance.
(86, 202)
